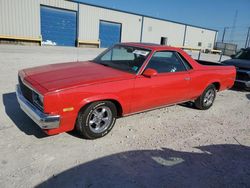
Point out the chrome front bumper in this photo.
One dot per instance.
(44, 121)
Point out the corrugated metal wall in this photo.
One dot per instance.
(20, 18)
(89, 23)
(60, 4)
(154, 29)
(196, 35)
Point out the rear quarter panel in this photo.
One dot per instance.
(203, 76)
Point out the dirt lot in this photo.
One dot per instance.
(177, 146)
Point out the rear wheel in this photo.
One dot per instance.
(206, 100)
(97, 119)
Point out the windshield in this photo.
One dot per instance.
(125, 58)
(243, 54)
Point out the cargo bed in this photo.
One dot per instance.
(202, 62)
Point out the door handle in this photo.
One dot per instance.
(187, 78)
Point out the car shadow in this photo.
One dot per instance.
(19, 118)
(188, 105)
(237, 88)
(248, 96)
(75, 134)
(213, 166)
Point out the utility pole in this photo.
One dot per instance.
(248, 42)
(247, 39)
(233, 27)
(224, 32)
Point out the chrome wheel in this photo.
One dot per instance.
(209, 97)
(100, 119)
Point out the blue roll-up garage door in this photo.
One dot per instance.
(109, 33)
(58, 26)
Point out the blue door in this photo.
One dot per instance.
(109, 33)
(58, 26)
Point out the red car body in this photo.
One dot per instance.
(68, 87)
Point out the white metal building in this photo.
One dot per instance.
(68, 23)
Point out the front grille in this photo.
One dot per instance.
(27, 92)
(30, 95)
(242, 76)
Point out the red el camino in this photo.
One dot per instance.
(125, 79)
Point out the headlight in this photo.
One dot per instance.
(38, 99)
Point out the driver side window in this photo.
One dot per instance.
(166, 61)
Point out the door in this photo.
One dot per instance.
(164, 41)
(58, 26)
(169, 86)
(109, 33)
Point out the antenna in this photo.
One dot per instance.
(233, 27)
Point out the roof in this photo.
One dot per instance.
(162, 19)
(151, 46)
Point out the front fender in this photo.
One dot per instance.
(102, 97)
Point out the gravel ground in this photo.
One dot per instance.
(177, 146)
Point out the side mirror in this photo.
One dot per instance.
(149, 73)
(232, 56)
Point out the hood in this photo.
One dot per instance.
(240, 63)
(64, 75)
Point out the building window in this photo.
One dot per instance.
(199, 44)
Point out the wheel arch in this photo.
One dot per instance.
(85, 103)
(216, 83)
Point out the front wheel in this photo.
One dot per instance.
(96, 120)
(206, 100)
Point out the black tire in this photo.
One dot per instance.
(204, 102)
(90, 123)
